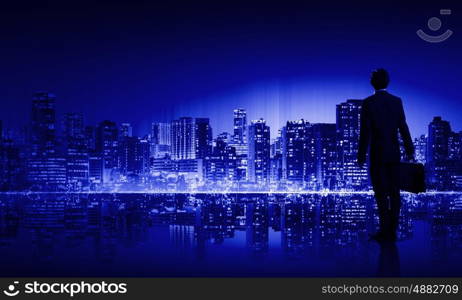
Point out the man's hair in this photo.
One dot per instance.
(380, 79)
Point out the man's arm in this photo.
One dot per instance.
(364, 134)
(404, 131)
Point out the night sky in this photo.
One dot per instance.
(143, 62)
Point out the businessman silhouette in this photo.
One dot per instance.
(382, 118)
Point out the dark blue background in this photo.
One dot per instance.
(142, 62)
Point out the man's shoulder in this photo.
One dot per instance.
(375, 98)
(393, 97)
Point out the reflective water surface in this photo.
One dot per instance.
(224, 235)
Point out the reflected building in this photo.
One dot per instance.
(298, 227)
(319, 235)
(257, 232)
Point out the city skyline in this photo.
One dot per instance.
(186, 154)
(267, 95)
(12, 129)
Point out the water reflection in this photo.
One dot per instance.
(389, 264)
(224, 235)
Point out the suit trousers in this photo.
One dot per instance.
(385, 182)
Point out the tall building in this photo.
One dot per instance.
(240, 124)
(439, 132)
(73, 125)
(12, 175)
(191, 138)
(442, 169)
(126, 130)
(239, 138)
(276, 168)
(348, 120)
(107, 144)
(276, 176)
(298, 153)
(325, 155)
(90, 138)
(46, 169)
(276, 146)
(161, 140)
(454, 146)
(221, 165)
(203, 138)
(47, 172)
(183, 138)
(43, 124)
(96, 169)
(259, 152)
(76, 150)
(420, 146)
(133, 155)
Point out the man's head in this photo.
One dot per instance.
(380, 79)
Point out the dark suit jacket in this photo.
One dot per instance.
(382, 117)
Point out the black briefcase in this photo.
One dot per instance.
(412, 177)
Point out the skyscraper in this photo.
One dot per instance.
(161, 139)
(133, 155)
(45, 168)
(107, 139)
(183, 138)
(203, 139)
(259, 152)
(240, 143)
(160, 133)
(439, 132)
(442, 169)
(73, 125)
(348, 119)
(298, 153)
(76, 150)
(420, 146)
(191, 138)
(43, 122)
(221, 165)
(325, 155)
(240, 124)
(455, 146)
(46, 172)
(12, 174)
(126, 130)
